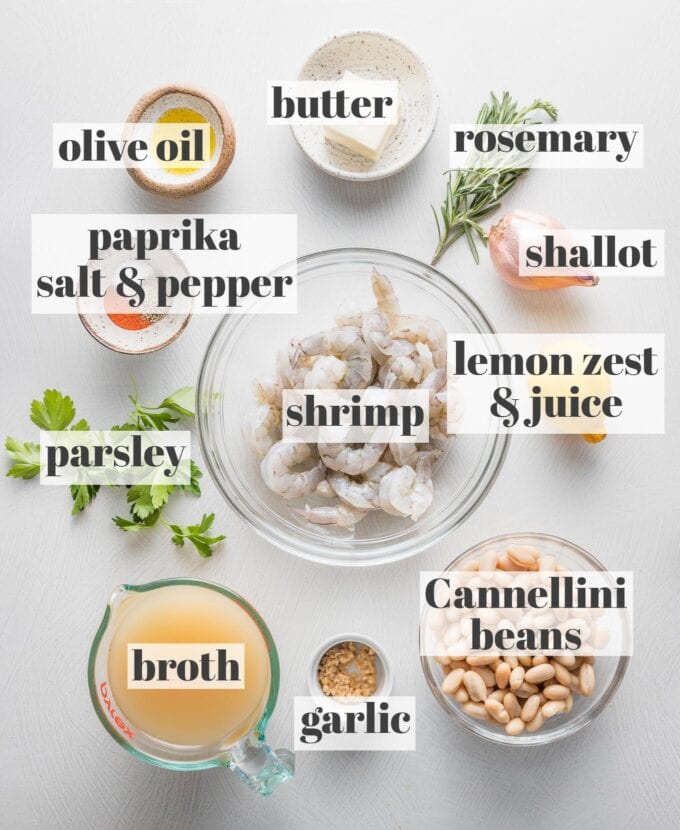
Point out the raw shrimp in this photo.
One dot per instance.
(404, 454)
(268, 390)
(404, 370)
(407, 455)
(453, 412)
(424, 330)
(435, 383)
(262, 428)
(279, 475)
(326, 373)
(362, 492)
(376, 333)
(352, 459)
(348, 314)
(406, 491)
(324, 490)
(340, 514)
(292, 366)
(378, 322)
(348, 345)
(386, 299)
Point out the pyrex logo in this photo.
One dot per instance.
(120, 723)
(186, 666)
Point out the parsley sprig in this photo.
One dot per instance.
(146, 502)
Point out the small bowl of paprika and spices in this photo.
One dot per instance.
(131, 321)
(348, 667)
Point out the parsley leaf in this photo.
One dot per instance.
(54, 412)
(183, 401)
(82, 495)
(193, 487)
(180, 404)
(133, 525)
(26, 458)
(196, 534)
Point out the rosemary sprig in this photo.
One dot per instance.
(474, 193)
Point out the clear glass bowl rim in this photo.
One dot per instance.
(570, 727)
(301, 546)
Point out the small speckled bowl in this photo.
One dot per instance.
(158, 334)
(151, 107)
(384, 679)
(378, 57)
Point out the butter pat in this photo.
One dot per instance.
(366, 139)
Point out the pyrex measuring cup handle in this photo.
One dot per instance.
(260, 767)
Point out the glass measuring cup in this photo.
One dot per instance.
(241, 746)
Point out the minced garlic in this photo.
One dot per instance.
(348, 670)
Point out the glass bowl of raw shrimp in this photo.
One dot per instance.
(245, 348)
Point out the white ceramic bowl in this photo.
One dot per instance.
(158, 334)
(378, 57)
(385, 679)
(152, 105)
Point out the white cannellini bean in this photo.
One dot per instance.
(556, 692)
(525, 555)
(476, 710)
(517, 677)
(552, 708)
(475, 686)
(496, 710)
(452, 681)
(511, 704)
(536, 723)
(561, 674)
(530, 708)
(503, 675)
(515, 727)
(539, 674)
(586, 680)
(526, 690)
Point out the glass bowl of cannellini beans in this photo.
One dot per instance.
(520, 705)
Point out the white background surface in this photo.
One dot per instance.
(89, 61)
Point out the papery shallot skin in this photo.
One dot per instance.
(503, 244)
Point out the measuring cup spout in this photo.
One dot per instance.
(259, 766)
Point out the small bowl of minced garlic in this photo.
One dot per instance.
(181, 104)
(350, 667)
